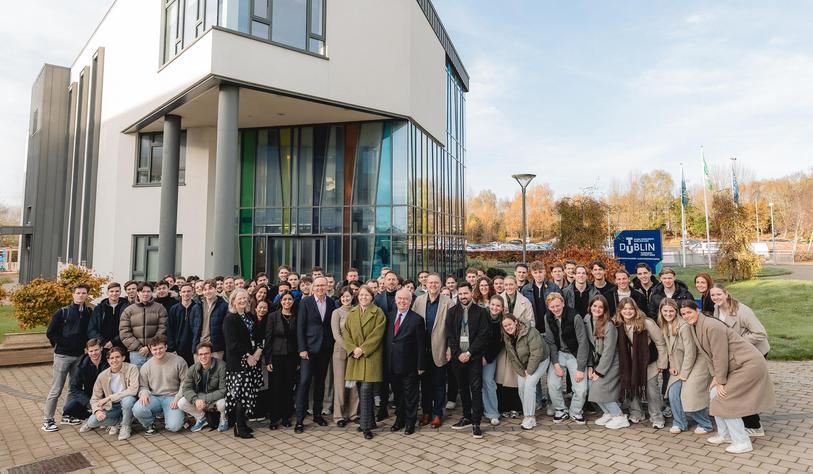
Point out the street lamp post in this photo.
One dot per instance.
(524, 180)
(773, 234)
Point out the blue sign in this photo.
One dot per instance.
(632, 247)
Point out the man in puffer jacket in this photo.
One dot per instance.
(668, 287)
(141, 322)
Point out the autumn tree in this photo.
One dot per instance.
(540, 209)
(582, 223)
(735, 257)
(484, 218)
(643, 201)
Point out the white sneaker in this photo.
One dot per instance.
(675, 430)
(528, 423)
(701, 431)
(618, 422)
(124, 433)
(739, 448)
(604, 419)
(84, 428)
(634, 419)
(658, 425)
(495, 421)
(451, 405)
(755, 432)
(112, 430)
(717, 439)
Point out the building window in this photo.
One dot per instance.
(150, 159)
(299, 24)
(145, 257)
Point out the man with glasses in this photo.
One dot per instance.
(204, 389)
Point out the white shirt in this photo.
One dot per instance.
(116, 384)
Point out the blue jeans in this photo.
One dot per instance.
(527, 389)
(490, 390)
(137, 359)
(173, 418)
(120, 412)
(679, 416)
(568, 363)
(613, 408)
(433, 390)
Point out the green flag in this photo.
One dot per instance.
(706, 176)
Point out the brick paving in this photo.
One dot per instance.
(787, 446)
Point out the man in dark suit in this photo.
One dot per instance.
(405, 357)
(467, 333)
(315, 341)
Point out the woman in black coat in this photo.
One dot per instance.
(244, 349)
(282, 360)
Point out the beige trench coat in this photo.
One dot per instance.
(438, 339)
(692, 368)
(746, 324)
(523, 309)
(737, 365)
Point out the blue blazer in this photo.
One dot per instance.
(219, 312)
(406, 351)
(314, 334)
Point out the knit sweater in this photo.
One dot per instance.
(163, 377)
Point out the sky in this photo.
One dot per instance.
(579, 93)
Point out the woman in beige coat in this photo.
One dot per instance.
(743, 321)
(521, 308)
(740, 384)
(345, 401)
(689, 376)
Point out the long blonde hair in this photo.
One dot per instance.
(733, 304)
(662, 322)
(640, 317)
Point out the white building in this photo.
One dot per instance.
(303, 132)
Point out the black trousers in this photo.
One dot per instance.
(470, 383)
(405, 389)
(314, 368)
(451, 385)
(283, 380)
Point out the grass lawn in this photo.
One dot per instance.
(8, 323)
(686, 275)
(783, 307)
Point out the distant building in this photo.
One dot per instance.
(214, 137)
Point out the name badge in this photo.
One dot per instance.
(464, 339)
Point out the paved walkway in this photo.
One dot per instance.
(788, 446)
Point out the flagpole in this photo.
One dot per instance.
(706, 204)
(682, 217)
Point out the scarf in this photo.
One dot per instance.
(633, 363)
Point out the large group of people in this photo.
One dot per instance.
(223, 352)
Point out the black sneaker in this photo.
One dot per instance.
(579, 419)
(462, 424)
(477, 432)
(49, 426)
(560, 416)
(69, 420)
(151, 430)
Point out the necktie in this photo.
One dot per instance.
(398, 322)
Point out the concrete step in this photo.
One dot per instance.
(21, 339)
(25, 349)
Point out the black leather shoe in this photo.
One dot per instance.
(273, 426)
(319, 421)
(299, 428)
(286, 423)
(341, 423)
(409, 430)
(368, 434)
(396, 427)
(358, 428)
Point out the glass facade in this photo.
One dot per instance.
(299, 24)
(366, 195)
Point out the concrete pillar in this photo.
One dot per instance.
(226, 169)
(168, 223)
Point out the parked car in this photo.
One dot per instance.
(705, 248)
(760, 248)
